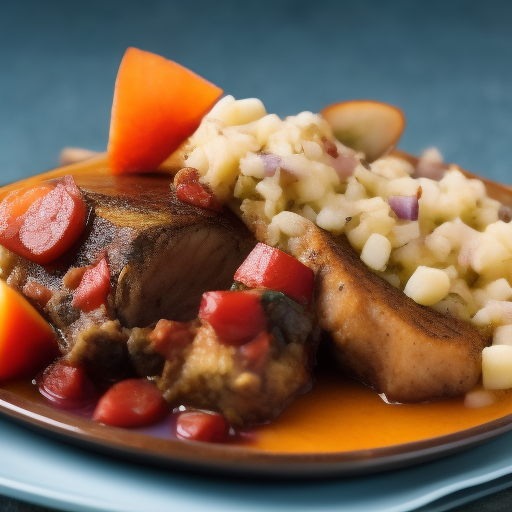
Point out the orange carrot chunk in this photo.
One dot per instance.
(27, 342)
(157, 105)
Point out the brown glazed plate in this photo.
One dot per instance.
(154, 446)
(338, 428)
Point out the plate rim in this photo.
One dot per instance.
(238, 460)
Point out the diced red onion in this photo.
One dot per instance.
(431, 170)
(271, 163)
(505, 213)
(344, 165)
(405, 207)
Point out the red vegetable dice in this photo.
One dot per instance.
(268, 267)
(202, 426)
(66, 386)
(131, 403)
(236, 317)
(190, 190)
(42, 222)
(94, 287)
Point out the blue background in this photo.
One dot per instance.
(447, 64)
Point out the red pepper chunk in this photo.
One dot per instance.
(42, 222)
(268, 267)
(190, 190)
(66, 386)
(202, 426)
(131, 403)
(236, 317)
(94, 287)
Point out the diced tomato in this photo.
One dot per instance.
(268, 267)
(236, 317)
(66, 386)
(157, 105)
(190, 190)
(94, 287)
(202, 426)
(27, 342)
(254, 354)
(131, 403)
(169, 337)
(41, 223)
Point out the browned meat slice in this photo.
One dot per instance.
(162, 255)
(248, 384)
(408, 352)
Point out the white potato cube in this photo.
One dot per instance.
(502, 335)
(497, 367)
(427, 285)
(376, 251)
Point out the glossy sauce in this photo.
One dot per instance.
(340, 415)
(337, 415)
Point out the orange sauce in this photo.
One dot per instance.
(340, 415)
(337, 415)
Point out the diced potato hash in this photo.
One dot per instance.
(456, 257)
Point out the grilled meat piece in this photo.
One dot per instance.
(162, 255)
(248, 384)
(408, 352)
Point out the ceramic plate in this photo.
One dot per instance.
(149, 446)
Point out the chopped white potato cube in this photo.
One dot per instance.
(376, 251)
(427, 285)
(497, 367)
(478, 398)
(502, 335)
(499, 289)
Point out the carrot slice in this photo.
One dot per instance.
(27, 342)
(157, 105)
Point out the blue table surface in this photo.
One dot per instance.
(447, 65)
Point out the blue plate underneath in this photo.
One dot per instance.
(39, 469)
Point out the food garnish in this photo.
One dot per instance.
(40, 223)
(131, 403)
(371, 127)
(157, 105)
(268, 267)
